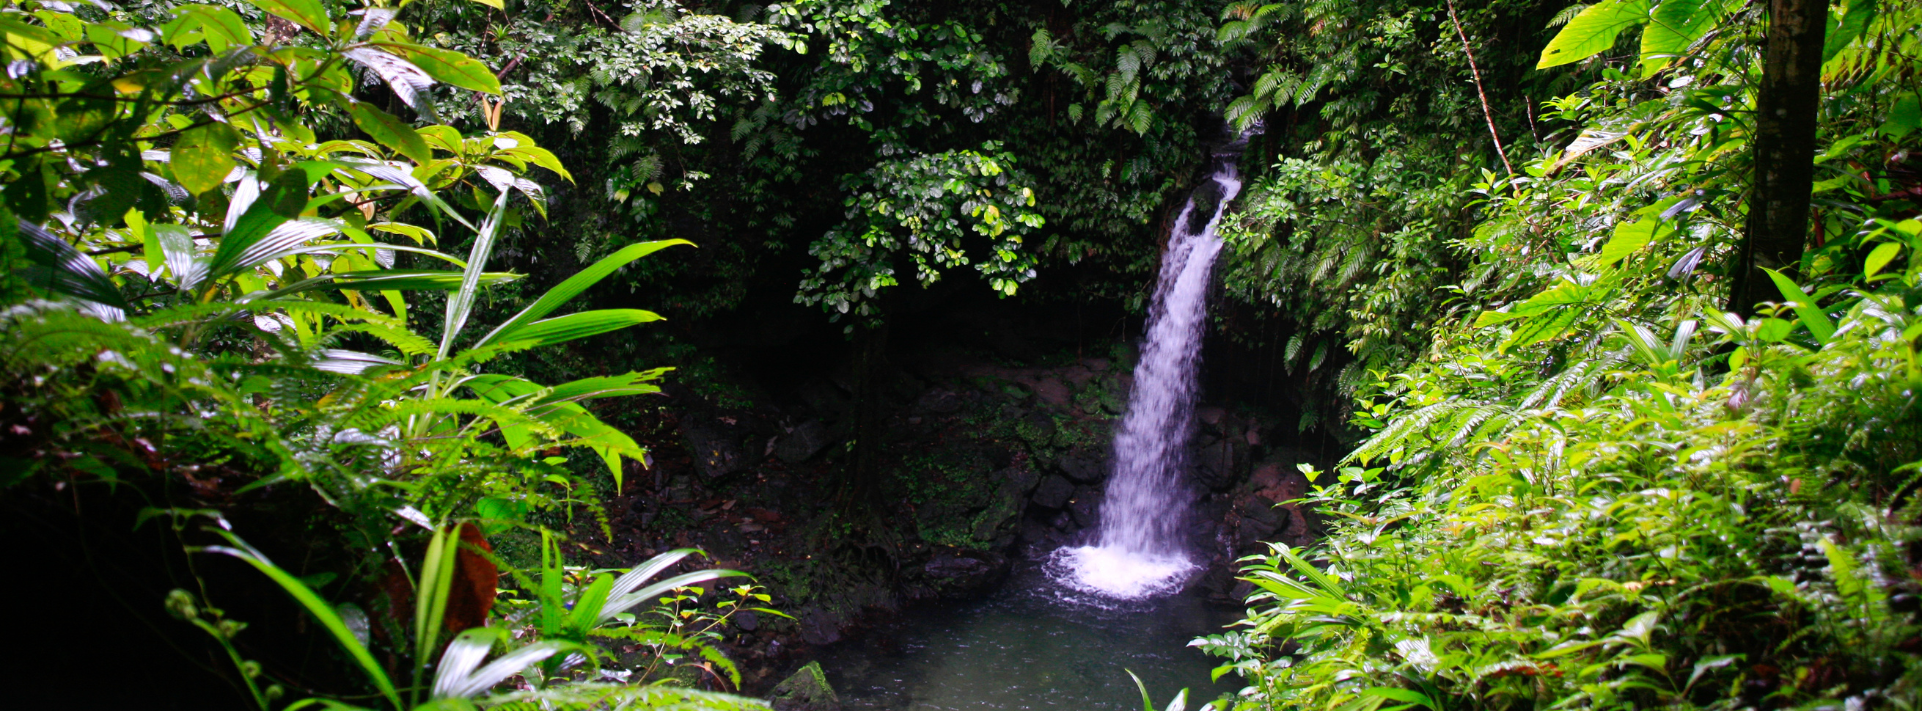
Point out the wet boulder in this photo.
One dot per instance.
(939, 401)
(1052, 392)
(1053, 493)
(1037, 429)
(819, 628)
(803, 442)
(1085, 507)
(715, 448)
(806, 690)
(1215, 464)
(1083, 467)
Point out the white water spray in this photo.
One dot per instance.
(1140, 551)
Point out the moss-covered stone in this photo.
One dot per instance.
(806, 690)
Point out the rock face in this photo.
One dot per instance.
(965, 573)
(1053, 493)
(1083, 467)
(803, 443)
(806, 690)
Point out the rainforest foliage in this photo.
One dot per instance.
(309, 285)
(1593, 480)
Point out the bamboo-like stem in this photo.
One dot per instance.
(1487, 113)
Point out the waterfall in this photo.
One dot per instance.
(1140, 550)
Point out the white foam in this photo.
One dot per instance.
(1118, 573)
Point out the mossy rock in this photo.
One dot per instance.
(806, 690)
(1037, 429)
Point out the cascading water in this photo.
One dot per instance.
(1140, 551)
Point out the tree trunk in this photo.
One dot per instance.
(870, 362)
(1784, 150)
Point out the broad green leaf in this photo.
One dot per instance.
(74, 274)
(587, 607)
(574, 285)
(1674, 26)
(306, 13)
(455, 677)
(35, 34)
(1905, 116)
(1880, 257)
(1773, 330)
(322, 612)
(283, 240)
(1628, 238)
(408, 82)
(204, 156)
(1853, 23)
(114, 39)
(1593, 31)
(262, 216)
(449, 67)
(1490, 318)
(389, 131)
(496, 4)
(220, 27)
(1805, 307)
(524, 148)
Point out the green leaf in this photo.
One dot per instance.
(496, 4)
(587, 607)
(1628, 238)
(456, 678)
(1880, 257)
(608, 386)
(1905, 116)
(1147, 704)
(389, 131)
(1806, 310)
(431, 593)
(322, 612)
(204, 156)
(1593, 31)
(562, 329)
(1773, 330)
(390, 280)
(574, 285)
(449, 67)
(220, 27)
(74, 274)
(1403, 695)
(1854, 22)
(1675, 25)
(461, 303)
(306, 13)
(149, 240)
(248, 243)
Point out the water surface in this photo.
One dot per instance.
(1032, 645)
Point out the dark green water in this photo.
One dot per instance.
(1032, 645)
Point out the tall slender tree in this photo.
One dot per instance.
(1784, 149)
